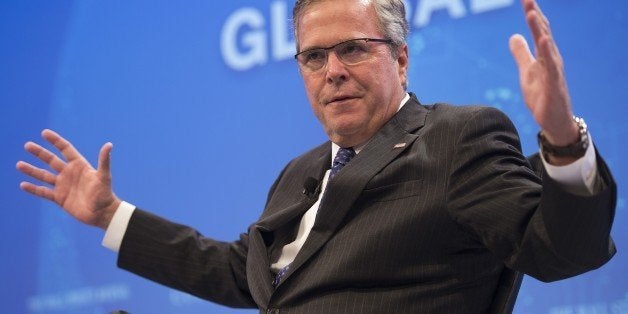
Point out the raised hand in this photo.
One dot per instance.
(84, 192)
(542, 79)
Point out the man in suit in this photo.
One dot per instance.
(408, 208)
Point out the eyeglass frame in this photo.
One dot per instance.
(326, 49)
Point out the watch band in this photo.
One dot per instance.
(576, 150)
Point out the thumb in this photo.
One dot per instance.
(104, 159)
(520, 51)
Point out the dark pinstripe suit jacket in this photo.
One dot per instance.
(424, 228)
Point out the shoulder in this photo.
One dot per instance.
(443, 115)
(463, 112)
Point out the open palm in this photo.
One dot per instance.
(84, 192)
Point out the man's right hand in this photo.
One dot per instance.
(84, 192)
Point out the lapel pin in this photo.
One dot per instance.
(399, 145)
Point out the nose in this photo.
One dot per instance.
(335, 71)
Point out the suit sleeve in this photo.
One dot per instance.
(532, 224)
(179, 257)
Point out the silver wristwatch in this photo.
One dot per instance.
(575, 150)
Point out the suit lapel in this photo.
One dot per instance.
(317, 171)
(390, 141)
(258, 260)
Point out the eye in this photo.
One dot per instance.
(352, 48)
(315, 55)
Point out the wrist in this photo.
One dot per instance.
(565, 152)
(107, 214)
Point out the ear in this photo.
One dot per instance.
(402, 65)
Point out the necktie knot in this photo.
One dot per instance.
(343, 156)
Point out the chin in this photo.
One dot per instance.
(346, 135)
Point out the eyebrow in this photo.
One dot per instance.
(325, 47)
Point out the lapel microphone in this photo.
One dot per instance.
(310, 187)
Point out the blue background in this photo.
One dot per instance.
(151, 77)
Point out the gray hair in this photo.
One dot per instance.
(391, 16)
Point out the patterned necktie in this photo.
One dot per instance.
(282, 272)
(343, 156)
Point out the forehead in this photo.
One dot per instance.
(328, 22)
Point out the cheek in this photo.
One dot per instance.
(312, 91)
(312, 88)
(318, 111)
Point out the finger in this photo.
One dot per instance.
(549, 48)
(45, 155)
(551, 58)
(536, 27)
(38, 190)
(104, 159)
(537, 8)
(543, 21)
(64, 146)
(520, 51)
(36, 173)
(537, 21)
(540, 27)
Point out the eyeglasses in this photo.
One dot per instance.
(349, 52)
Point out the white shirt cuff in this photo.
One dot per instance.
(117, 227)
(578, 176)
